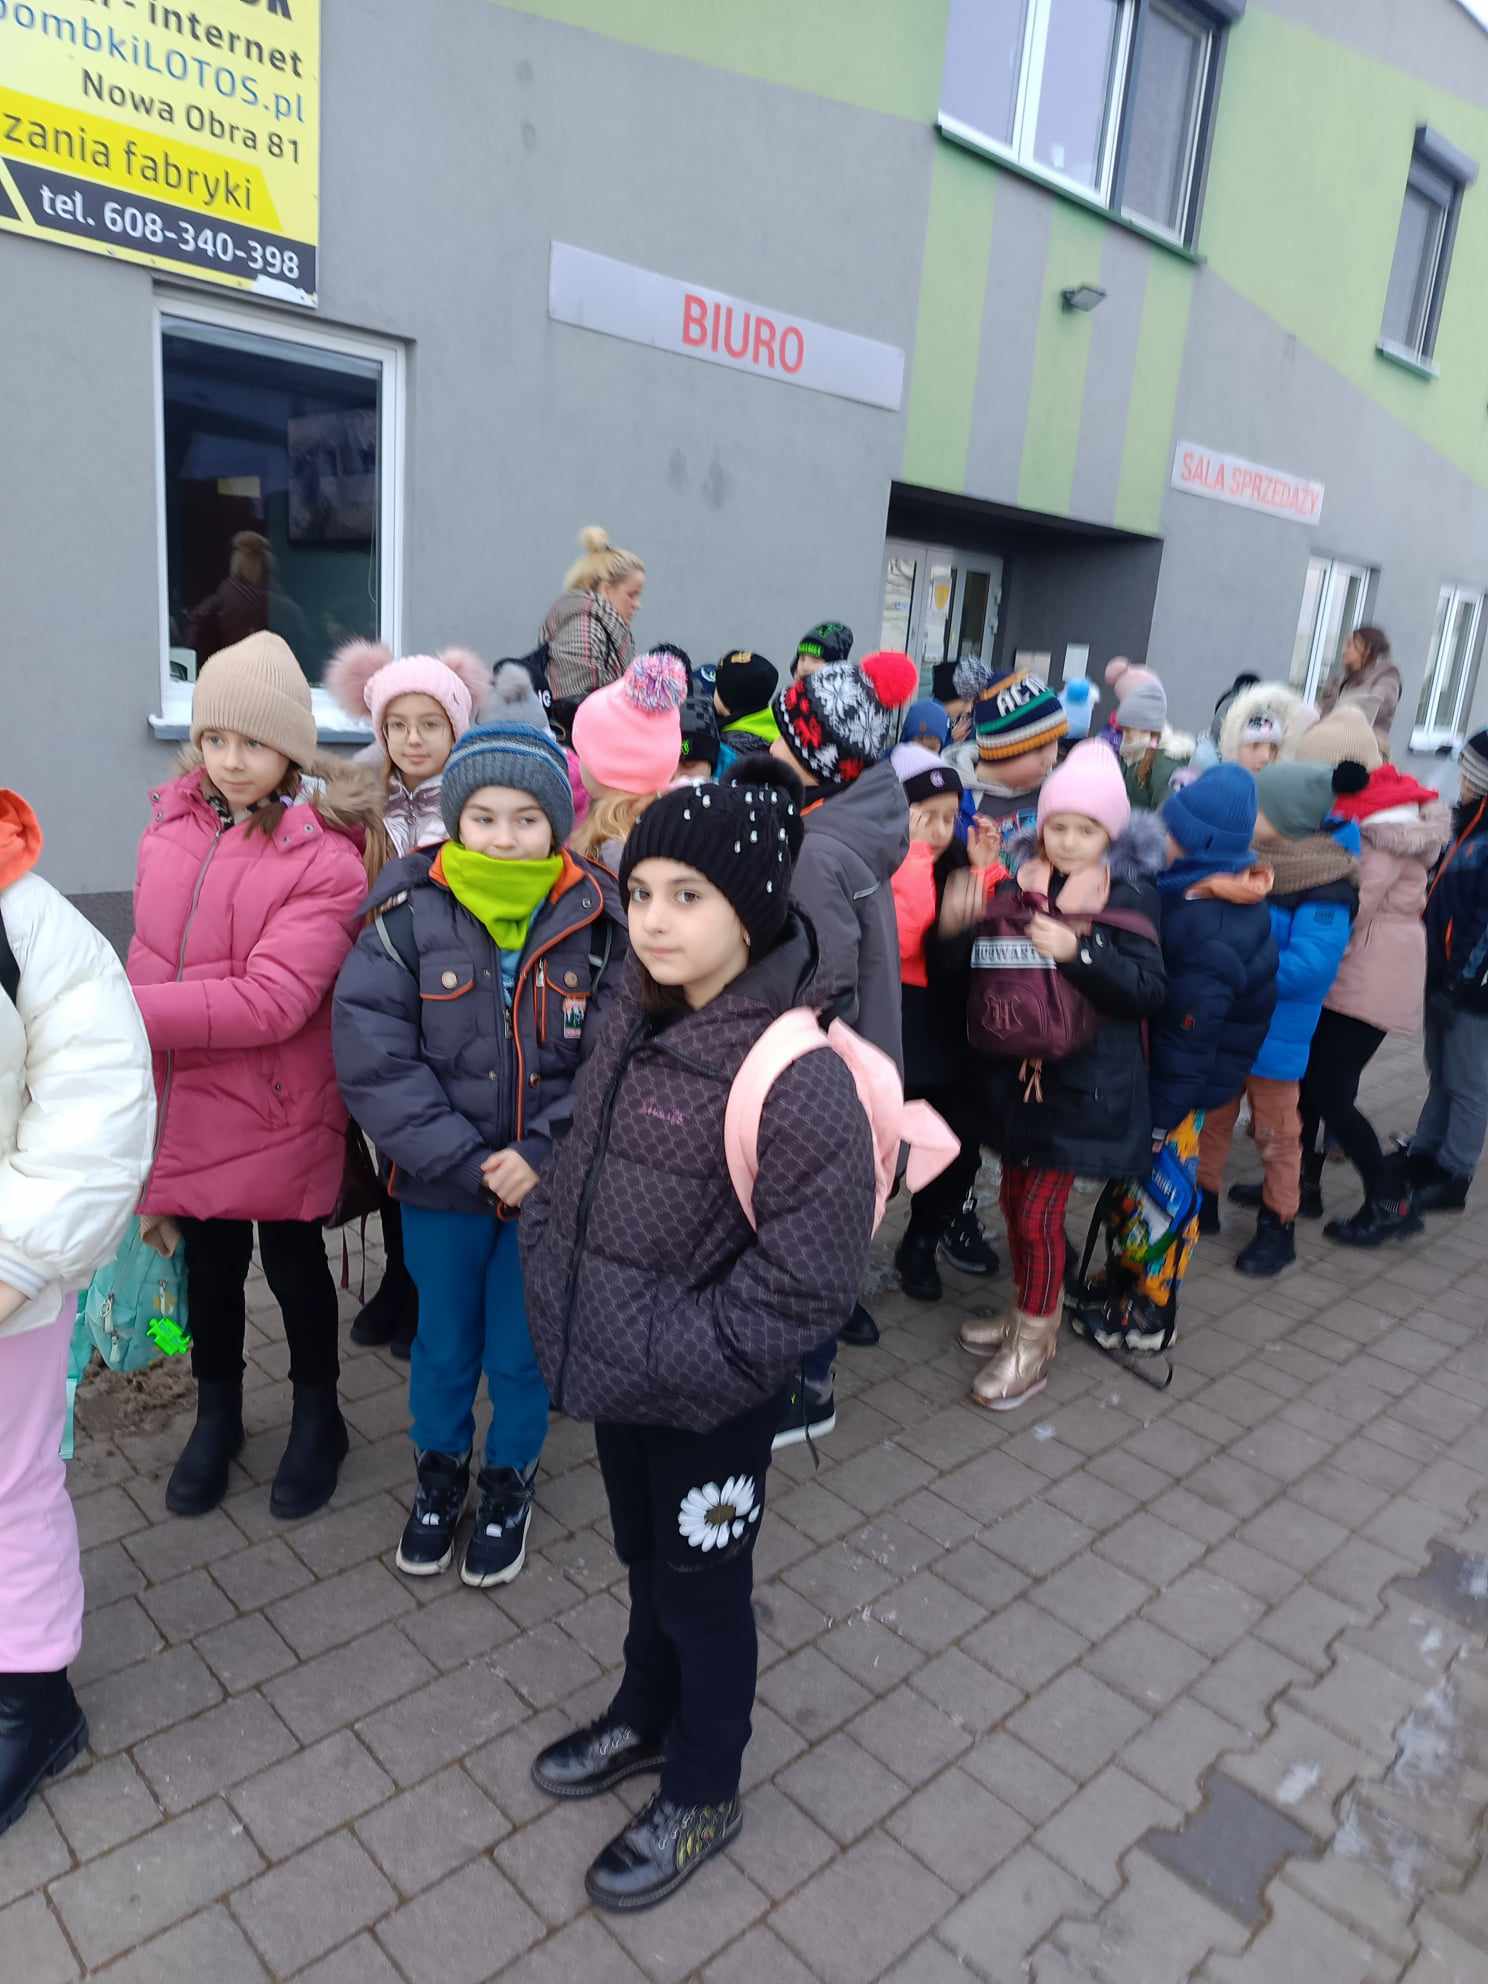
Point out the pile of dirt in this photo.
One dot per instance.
(115, 1405)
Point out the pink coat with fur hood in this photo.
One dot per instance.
(237, 943)
(1382, 979)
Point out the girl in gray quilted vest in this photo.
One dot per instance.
(663, 1313)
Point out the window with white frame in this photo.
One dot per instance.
(1113, 99)
(1334, 600)
(1439, 175)
(1452, 670)
(279, 447)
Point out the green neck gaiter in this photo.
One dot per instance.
(504, 895)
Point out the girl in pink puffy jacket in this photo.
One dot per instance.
(245, 905)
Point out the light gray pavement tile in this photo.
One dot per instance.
(245, 1652)
(842, 1787)
(1094, 1503)
(937, 1518)
(1205, 1522)
(959, 1828)
(212, 1752)
(1077, 1722)
(1343, 1498)
(360, 1961)
(1132, 1477)
(340, 1607)
(541, 1593)
(545, 1861)
(260, 1574)
(1360, 1699)
(545, 1665)
(1207, 1612)
(1038, 1447)
(897, 1545)
(1018, 1776)
(759, 1953)
(1025, 1645)
(132, 1703)
(1444, 1958)
(34, 1851)
(312, 1902)
(1302, 1768)
(1154, 1551)
(187, 1606)
(1103, 1819)
(1245, 1683)
(99, 1807)
(1172, 1448)
(1252, 1570)
(954, 1436)
(106, 1516)
(787, 1617)
(583, 1953)
(114, 1637)
(909, 1734)
(1300, 1945)
(960, 1687)
(1233, 1485)
(980, 1576)
(872, 1653)
(1359, 1571)
(1145, 1663)
(460, 1625)
(168, 1549)
(208, 1946)
(836, 1581)
(779, 1847)
(138, 1889)
(1293, 1534)
(861, 1913)
(929, 1612)
(879, 1476)
(1014, 1909)
(1091, 1595)
(1156, 1927)
(429, 1831)
(777, 1545)
(1305, 1625)
(811, 1693)
(1408, 1527)
(348, 1682)
(1037, 1539)
(1176, 1751)
(311, 1793)
(34, 1943)
(772, 1746)
(989, 1485)
(677, 1941)
(1360, 1895)
(437, 1724)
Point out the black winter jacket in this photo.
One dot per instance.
(1457, 913)
(650, 1299)
(1221, 960)
(1095, 1117)
(434, 1067)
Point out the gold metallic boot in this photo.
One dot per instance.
(1019, 1369)
(984, 1336)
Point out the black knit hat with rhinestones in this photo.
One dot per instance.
(743, 834)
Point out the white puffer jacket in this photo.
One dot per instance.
(77, 1103)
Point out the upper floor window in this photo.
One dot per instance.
(1111, 98)
(1438, 176)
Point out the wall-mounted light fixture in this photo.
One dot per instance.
(1084, 296)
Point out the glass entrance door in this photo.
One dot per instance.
(939, 604)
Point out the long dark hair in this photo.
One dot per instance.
(660, 1002)
(1375, 643)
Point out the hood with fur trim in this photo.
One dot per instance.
(1138, 855)
(1274, 699)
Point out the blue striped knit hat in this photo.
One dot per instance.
(515, 748)
(1016, 712)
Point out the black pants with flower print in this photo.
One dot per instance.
(686, 1509)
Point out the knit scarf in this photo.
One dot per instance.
(503, 895)
(1299, 865)
(1181, 877)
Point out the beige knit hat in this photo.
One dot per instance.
(257, 688)
(1345, 734)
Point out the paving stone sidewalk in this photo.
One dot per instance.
(1126, 1688)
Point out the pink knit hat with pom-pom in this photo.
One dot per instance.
(629, 735)
(364, 678)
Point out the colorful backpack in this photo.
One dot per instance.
(135, 1306)
(909, 1139)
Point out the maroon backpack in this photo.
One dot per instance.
(1021, 1006)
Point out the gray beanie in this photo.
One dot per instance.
(1297, 798)
(1144, 706)
(514, 747)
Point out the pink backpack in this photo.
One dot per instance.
(893, 1122)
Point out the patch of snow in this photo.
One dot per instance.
(1299, 1780)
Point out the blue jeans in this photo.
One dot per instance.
(472, 1317)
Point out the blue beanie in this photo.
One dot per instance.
(1213, 820)
(1079, 698)
(926, 715)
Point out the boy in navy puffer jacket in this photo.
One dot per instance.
(1314, 898)
(459, 1023)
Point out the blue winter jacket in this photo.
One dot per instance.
(1457, 914)
(1221, 959)
(1312, 929)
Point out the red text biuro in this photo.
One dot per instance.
(748, 335)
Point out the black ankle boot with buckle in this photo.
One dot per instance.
(663, 1846)
(592, 1759)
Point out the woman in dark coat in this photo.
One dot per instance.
(672, 1317)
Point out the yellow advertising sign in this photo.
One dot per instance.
(185, 137)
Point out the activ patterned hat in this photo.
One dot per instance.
(1016, 712)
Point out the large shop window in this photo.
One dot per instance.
(1334, 600)
(279, 455)
(1439, 174)
(1452, 671)
(1113, 99)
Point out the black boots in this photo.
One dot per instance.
(859, 1330)
(664, 1845)
(41, 1730)
(1273, 1248)
(1311, 1206)
(198, 1481)
(318, 1443)
(1379, 1219)
(391, 1317)
(592, 1759)
(1436, 1190)
(1208, 1211)
(914, 1263)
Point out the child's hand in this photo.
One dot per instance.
(508, 1177)
(160, 1232)
(964, 902)
(1052, 940)
(983, 842)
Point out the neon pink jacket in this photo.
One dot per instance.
(237, 943)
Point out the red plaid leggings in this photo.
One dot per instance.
(1033, 1204)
